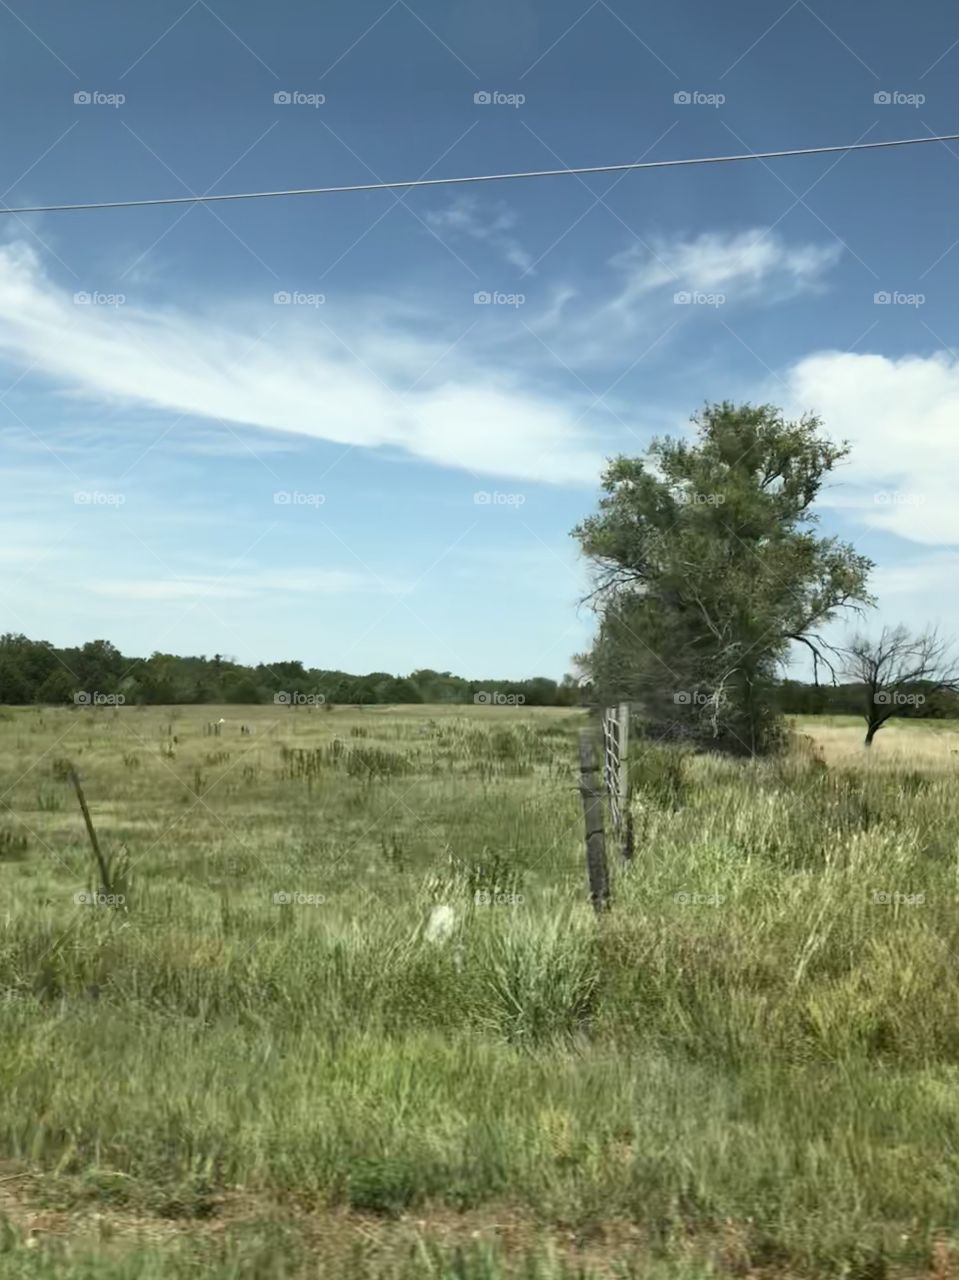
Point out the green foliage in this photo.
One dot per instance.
(541, 985)
(796, 698)
(660, 774)
(35, 671)
(707, 569)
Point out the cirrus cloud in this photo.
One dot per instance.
(362, 384)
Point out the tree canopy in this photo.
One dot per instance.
(708, 568)
(36, 671)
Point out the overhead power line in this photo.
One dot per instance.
(408, 184)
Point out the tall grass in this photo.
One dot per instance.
(751, 1062)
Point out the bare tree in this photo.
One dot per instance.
(897, 671)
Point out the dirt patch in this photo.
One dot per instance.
(330, 1234)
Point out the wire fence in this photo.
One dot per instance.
(616, 766)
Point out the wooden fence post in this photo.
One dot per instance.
(102, 865)
(626, 817)
(596, 868)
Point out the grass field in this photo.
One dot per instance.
(749, 1067)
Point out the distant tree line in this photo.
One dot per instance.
(34, 671)
(800, 699)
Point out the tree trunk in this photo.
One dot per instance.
(870, 734)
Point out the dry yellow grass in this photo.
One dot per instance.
(928, 745)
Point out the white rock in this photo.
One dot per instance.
(441, 923)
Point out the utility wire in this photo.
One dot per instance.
(483, 177)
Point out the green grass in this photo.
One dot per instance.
(752, 1061)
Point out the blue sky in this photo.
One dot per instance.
(288, 428)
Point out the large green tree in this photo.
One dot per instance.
(707, 568)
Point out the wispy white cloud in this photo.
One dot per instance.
(493, 225)
(335, 377)
(239, 586)
(752, 263)
(659, 285)
(211, 444)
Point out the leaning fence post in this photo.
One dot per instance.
(596, 868)
(102, 865)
